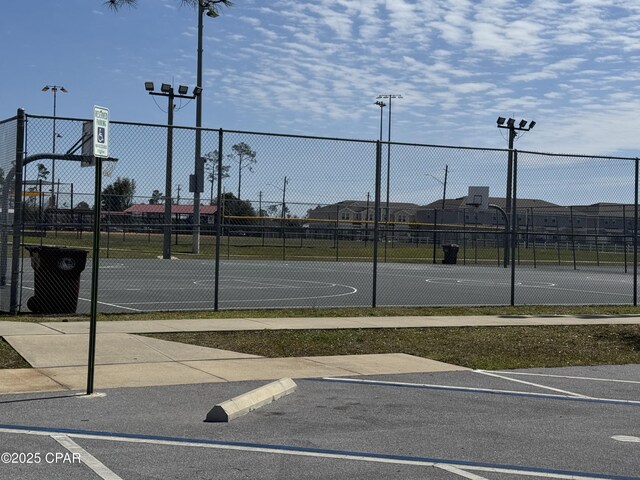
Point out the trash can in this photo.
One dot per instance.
(450, 254)
(56, 278)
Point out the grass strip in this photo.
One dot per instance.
(536, 310)
(9, 358)
(474, 347)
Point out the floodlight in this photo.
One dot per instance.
(381, 104)
(183, 89)
(501, 120)
(511, 122)
(522, 124)
(532, 124)
(166, 88)
(45, 88)
(197, 91)
(62, 89)
(149, 87)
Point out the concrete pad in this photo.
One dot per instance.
(309, 323)
(267, 369)
(72, 350)
(25, 328)
(42, 351)
(25, 380)
(139, 375)
(247, 402)
(385, 364)
(185, 352)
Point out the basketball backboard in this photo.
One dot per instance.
(478, 197)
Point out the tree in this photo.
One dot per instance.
(156, 197)
(118, 196)
(210, 5)
(83, 205)
(43, 173)
(246, 158)
(211, 168)
(233, 207)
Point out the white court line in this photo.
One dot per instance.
(570, 377)
(490, 374)
(99, 302)
(626, 438)
(302, 453)
(89, 460)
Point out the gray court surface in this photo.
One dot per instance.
(152, 285)
(566, 423)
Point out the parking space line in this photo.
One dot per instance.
(571, 377)
(513, 393)
(89, 460)
(459, 472)
(491, 374)
(462, 465)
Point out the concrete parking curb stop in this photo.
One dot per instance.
(247, 402)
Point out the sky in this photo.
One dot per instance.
(315, 67)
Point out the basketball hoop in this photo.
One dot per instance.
(108, 166)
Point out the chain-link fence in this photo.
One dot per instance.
(293, 221)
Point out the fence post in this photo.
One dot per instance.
(216, 292)
(17, 214)
(376, 222)
(635, 240)
(624, 236)
(573, 238)
(435, 238)
(514, 227)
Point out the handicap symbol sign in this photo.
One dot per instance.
(101, 135)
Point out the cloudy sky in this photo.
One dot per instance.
(315, 67)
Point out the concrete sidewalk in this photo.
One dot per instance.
(58, 351)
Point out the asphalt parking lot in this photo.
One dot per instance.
(574, 422)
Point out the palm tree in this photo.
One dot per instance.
(210, 6)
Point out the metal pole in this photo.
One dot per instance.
(53, 162)
(218, 225)
(512, 136)
(635, 239)
(95, 265)
(284, 238)
(166, 248)
(573, 237)
(444, 190)
(198, 164)
(376, 221)
(17, 215)
(514, 226)
(624, 236)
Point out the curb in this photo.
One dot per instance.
(247, 402)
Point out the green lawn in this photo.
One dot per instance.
(474, 347)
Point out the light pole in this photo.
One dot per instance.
(209, 8)
(54, 89)
(389, 97)
(166, 90)
(511, 126)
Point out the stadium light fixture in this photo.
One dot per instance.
(54, 89)
(166, 90)
(513, 132)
